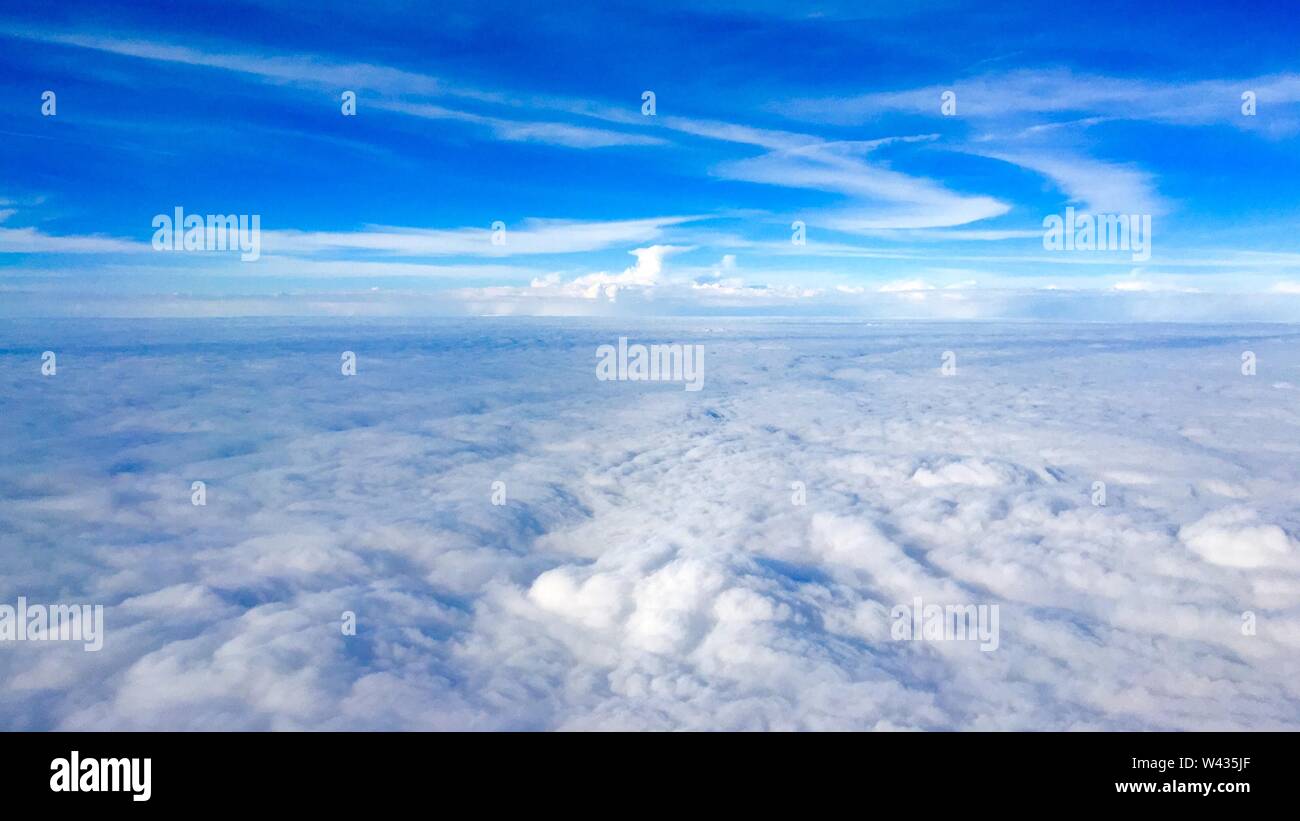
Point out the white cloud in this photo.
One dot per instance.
(649, 569)
(1234, 538)
(880, 198)
(536, 236)
(1056, 92)
(390, 84)
(647, 272)
(1148, 286)
(904, 286)
(35, 241)
(553, 133)
(1102, 187)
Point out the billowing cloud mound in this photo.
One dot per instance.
(729, 558)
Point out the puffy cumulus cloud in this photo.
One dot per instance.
(1147, 286)
(646, 273)
(1233, 538)
(656, 286)
(643, 286)
(729, 558)
(903, 286)
(976, 472)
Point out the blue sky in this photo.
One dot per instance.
(766, 114)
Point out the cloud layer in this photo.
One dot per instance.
(650, 567)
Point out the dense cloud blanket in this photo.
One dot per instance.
(652, 557)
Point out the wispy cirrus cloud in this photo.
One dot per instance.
(882, 198)
(535, 236)
(1101, 187)
(32, 240)
(1059, 93)
(395, 86)
(1014, 114)
(301, 70)
(553, 133)
(797, 160)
